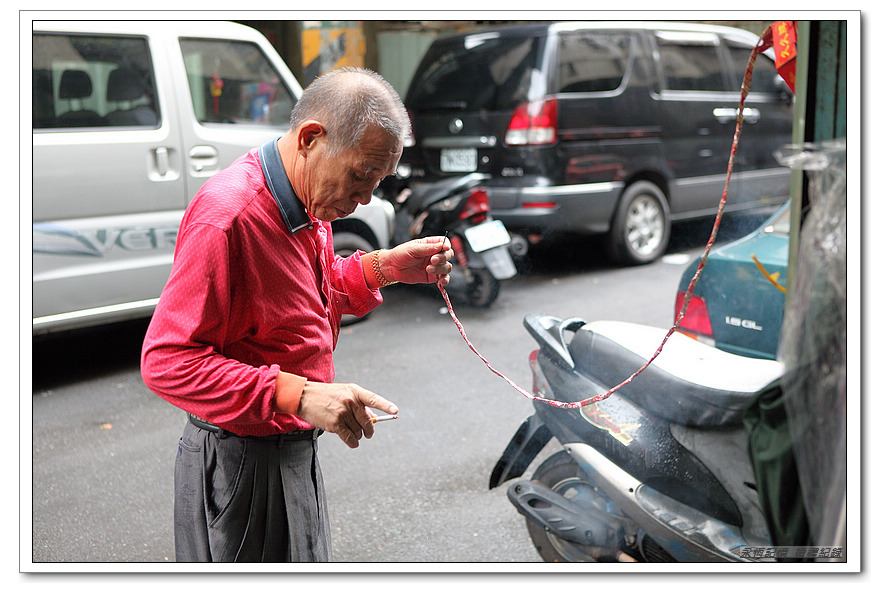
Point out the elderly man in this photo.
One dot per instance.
(243, 336)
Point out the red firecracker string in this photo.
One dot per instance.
(763, 44)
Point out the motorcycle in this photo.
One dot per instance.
(658, 471)
(459, 207)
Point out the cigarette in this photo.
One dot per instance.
(384, 418)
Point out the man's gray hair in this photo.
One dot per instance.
(347, 102)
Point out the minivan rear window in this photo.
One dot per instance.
(232, 82)
(474, 73)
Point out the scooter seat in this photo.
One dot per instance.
(426, 193)
(689, 383)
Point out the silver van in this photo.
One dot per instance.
(129, 120)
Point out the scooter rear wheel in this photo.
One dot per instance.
(482, 287)
(562, 474)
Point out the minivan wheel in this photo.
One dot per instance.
(641, 228)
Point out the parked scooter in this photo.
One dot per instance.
(659, 471)
(460, 207)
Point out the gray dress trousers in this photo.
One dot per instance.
(239, 499)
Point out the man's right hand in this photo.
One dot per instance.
(340, 408)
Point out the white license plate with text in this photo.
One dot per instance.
(458, 160)
(487, 235)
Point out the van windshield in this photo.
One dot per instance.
(473, 73)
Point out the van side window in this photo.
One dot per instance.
(87, 81)
(764, 76)
(691, 65)
(232, 82)
(592, 62)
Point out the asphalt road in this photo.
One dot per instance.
(104, 445)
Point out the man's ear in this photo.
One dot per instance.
(308, 135)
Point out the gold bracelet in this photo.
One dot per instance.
(380, 277)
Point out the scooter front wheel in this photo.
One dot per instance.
(562, 474)
(482, 287)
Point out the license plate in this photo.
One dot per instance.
(458, 160)
(487, 235)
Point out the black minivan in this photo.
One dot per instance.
(600, 128)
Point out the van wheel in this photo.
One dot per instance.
(345, 244)
(640, 231)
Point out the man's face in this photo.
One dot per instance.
(335, 185)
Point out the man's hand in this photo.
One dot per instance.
(340, 408)
(418, 261)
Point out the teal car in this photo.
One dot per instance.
(739, 300)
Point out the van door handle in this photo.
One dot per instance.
(203, 157)
(162, 163)
(751, 115)
(725, 115)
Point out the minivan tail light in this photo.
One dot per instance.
(532, 123)
(696, 319)
(476, 207)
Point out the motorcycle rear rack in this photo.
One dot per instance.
(550, 332)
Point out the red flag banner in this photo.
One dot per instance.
(785, 48)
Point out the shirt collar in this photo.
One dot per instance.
(292, 210)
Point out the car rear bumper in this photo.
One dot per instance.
(582, 208)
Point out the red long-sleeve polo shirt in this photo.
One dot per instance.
(249, 295)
